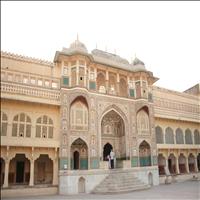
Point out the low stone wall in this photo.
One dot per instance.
(179, 178)
(32, 191)
(69, 180)
(69, 184)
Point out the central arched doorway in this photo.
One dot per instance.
(76, 160)
(106, 150)
(79, 155)
(113, 132)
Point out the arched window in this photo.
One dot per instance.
(79, 115)
(196, 137)
(159, 135)
(188, 136)
(142, 122)
(44, 127)
(101, 83)
(21, 125)
(122, 87)
(4, 124)
(179, 136)
(169, 136)
(112, 84)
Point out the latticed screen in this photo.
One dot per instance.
(4, 124)
(79, 116)
(44, 127)
(21, 125)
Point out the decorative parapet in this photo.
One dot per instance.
(176, 105)
(13, 91)
(30, 79)
(171, 109)
(26, 59)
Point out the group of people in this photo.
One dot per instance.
(111, 158)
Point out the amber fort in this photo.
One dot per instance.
(60, 120)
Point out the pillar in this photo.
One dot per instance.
(195, 165)
(187, 165)
(177, 166)
(118, 82)
(6, 173)
(85, 76)
(55, 171)
(31, 181)
(166, 167)
(107, 82)
(77, 72)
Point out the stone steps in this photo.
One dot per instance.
(119, 181)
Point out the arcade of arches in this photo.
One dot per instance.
(178, 163)
(21, 169)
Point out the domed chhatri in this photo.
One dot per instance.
(137, 61)
(138, 64)
(78, 46)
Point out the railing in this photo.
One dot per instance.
(30, 79)
(30, 91)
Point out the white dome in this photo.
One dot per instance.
(138, 64)
(78, 46)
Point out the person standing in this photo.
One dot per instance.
(112, 156)
(109, 164)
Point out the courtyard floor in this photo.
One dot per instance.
(183, 190)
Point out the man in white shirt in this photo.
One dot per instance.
(112, 156)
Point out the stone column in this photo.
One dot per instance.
(55, 171)
(187, 165)
(7, 162)
(77, 72)
(107, 82)
(31, 181)
(85, 76)
(167, 167)
(177, 166)
(118, 82)
(195, 165)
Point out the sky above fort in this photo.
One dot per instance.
(164, 35)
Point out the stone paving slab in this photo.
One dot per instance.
(184, 190)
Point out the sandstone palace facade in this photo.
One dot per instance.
(60, 119)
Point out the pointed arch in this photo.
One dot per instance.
(123, 87)
(145, 154)
(79, 114)
(196, 137)
(79, 154)
(169, 135)
(143, 121)
(159, 135)
(113, 128)
(101, 82)
(188, 136)
(81, 185)
(179, 136)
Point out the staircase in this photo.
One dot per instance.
(119, 181)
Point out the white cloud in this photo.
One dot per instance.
(165, 35)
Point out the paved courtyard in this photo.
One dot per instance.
(184, 190)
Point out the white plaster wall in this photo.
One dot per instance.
(143, 175)
(69, 184)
